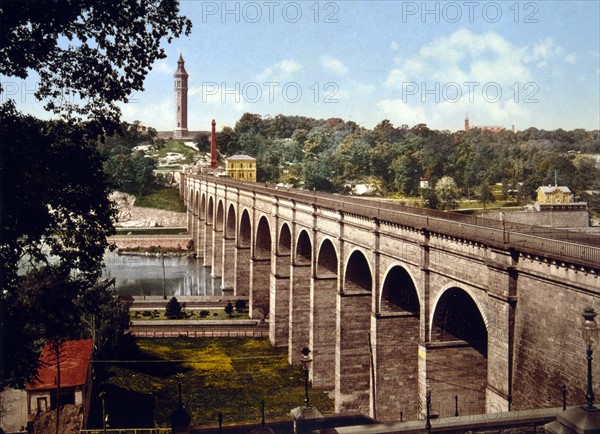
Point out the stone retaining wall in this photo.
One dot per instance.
(180, 242)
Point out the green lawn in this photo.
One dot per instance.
(230, 375)
(177, 146)
(167, 198)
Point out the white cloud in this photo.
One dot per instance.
(163, 67)
(280, 71)
(394, 45)
(333, 65)
(571, 58)
(401, 113)
(148, 113)
(465, 56)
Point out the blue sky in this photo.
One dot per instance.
(504, 63)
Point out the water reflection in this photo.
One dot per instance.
(140, 275)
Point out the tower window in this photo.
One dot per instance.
(178, 108)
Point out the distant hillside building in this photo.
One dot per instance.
(75, 377)
(554, 195)
(241, 167)
(488, 128)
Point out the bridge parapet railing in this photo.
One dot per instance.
(127, 431)
(528, 238)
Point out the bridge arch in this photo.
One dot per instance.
(352, 386)
(242, 255)
(245, 230)
(280, 287)
(300, 290)
(399, 292)
(444, 293)
(202, 210)
(323, 302)
(284, 245)
(327, 260)
(220, 218)
(231, 223)
(262, 249)
(303, 248)
(260, 270)
(397, 346)
(358, 277)
(458, 357)
(210, 211)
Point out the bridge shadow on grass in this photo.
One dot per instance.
(125, 408)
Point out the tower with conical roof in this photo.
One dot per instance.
(181, 90)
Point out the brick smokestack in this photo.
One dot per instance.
(213, 146)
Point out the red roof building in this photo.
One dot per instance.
(75, 377)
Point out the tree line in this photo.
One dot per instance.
(333, 154)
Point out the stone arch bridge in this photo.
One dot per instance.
(392, 300)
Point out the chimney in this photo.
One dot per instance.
(213, 146)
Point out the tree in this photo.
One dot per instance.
(58, 201)
(202, 142)
(58, 197)
(485, 193)
(227, 141)
(111, 49)
(429, 198)
(229, 309)
(447, 192)
(173, 309)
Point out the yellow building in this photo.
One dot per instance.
(554, 195)
(241, 167)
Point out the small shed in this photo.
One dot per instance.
(75, 377)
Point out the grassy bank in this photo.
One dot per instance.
(230, 375)
(166, 198)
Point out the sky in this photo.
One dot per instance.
(527, 64)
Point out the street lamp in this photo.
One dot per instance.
(104, 415)
(589, 329)
(179, 376)
(305, 361)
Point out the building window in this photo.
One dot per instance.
(42, 404)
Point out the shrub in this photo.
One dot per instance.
(229, 309)
(173, 309)
(204, 313)
(240, 305)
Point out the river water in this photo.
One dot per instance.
(140, 275)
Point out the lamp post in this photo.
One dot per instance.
(581, 419)
(164, 278)
(305, 361)
(589, 330)
(305, 413)
(179, 377)
(102, 395)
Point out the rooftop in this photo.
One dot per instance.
(74, 363)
